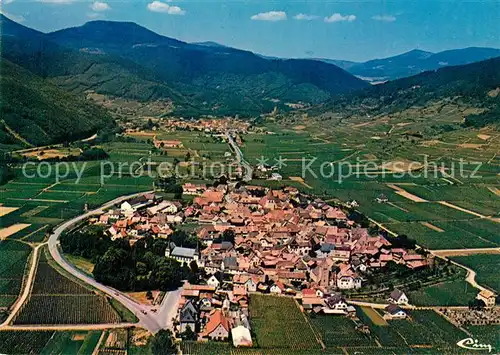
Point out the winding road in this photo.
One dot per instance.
(152, 321)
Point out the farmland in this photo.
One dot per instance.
(55, 299)
(340, 332)
(278, 323)
(486, 266)
(452, 293)
(13, 259)
(439, 211)
(48, 342)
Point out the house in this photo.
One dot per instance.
(336, 302)
(182, 255)
(393, 311)
(126, 208)
(241, 336)
(213, 281)
(188, 316)
(277, 288)
(217, 327)
(382, 198)
(276, 177)
(398, 297)
(487, 297)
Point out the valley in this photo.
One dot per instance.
(203, 199)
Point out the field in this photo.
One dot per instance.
(453, 293)
(55, 299)
(278, 323)
(338, 331)
(422, 329)
(486, 266)
(439, 205)
(48, 342)
(13, 258)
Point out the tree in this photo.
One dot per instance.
(166, 273)
(228, 236)
(163, 344)
(189, 334)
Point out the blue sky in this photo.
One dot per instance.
(351, 30)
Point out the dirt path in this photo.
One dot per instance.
(402, 192)
(447, 204)
(69, 327)
(16, 135)
(465, 252)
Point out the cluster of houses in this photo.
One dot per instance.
(208, 125)
(146, 215)
(213, 313)
(256, 239)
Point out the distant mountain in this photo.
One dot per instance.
(36, 112)
(210, 44)
(477, 84)
(218, 79)
(344, 64)
(418, 61)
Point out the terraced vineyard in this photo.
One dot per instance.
(56, 299)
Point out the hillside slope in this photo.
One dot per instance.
(34, 111)
(418, 61)
(476, 84)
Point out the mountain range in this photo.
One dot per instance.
(127, 60)
(413, 62)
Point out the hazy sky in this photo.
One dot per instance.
(352, 30)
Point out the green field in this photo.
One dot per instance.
(452, 293)
(13, 259)
(278, 323)
(49, 342)
(486, 266)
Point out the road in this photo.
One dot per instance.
(465, 252)
(240, 158)
(151, 321)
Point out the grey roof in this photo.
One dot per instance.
(393, 309)
(183, 252)
(230, 262)
(327, 247)
(396, 294)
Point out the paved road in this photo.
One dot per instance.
(151, 321)
(239, 158)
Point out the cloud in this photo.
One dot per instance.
(384, 18)
(5, 2)
(339, 18)
(158, 6)
(270, 16)
(95, 15)
(305, 17)
(99, 6)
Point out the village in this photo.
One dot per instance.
(252, 239)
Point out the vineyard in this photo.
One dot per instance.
(56, 299)
(277, 323)
(13, 258)
(24, 342)
(338, 331)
